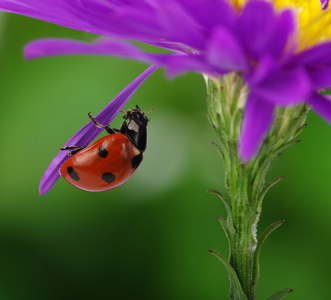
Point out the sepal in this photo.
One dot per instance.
(236, 291)
(225, 202)
(261, 240)
(267, 188)
(280, 294)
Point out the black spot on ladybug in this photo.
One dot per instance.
(108, 177)
(72, 173)
(135, 162)
(103, 152)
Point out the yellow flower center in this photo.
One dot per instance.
(314, 24)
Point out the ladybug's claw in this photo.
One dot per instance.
(74, 149)
(94, 121)
(109, 129)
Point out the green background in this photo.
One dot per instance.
(149, 238)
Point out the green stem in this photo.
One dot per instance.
(245, 182)
(243, 235)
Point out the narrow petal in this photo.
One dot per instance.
(89, 132)
(320, 76)
(264, 68)
(263, 31)
(178, 64)
(103, 46)
(211, 13)
(58, 12)
(99, 17)
(285, 87)
(225, 52)
(254, 26)
(322, 105)
(180, 26)
(167, 20)
(282, 35)
(325, 4)
(319, 55)
(258, 118)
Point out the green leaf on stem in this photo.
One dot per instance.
(302, 128)
(287, 145)
(279, 295)
(226, 230)
(219, 149)
(236, 291)
(267, 188)
(262, 238)
(225, 202)
(224, 223)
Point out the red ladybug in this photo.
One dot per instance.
(111, 160)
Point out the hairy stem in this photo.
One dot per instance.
(245, 182)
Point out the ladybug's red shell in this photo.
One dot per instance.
(104, 165)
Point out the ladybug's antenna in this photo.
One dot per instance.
(151, 110)
(137, 107)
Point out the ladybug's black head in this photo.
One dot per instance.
(136, 129)
(137, 116)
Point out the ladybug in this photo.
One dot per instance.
(111, 160)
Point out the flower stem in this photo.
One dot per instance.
(245, 181)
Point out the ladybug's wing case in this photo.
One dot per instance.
(104, 165)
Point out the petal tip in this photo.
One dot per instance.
(28, 53)
(44, 187)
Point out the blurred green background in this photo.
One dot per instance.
(147, 239)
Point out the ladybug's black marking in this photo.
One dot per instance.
(135, 162)
(103, 152)
(72, 173)
(108, 177)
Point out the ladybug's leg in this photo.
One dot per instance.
(74, 149)
(124, 127)
(109, 129)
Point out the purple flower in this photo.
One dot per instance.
(213, 37)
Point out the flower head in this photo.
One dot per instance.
(282, 49)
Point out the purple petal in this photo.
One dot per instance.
(89, 132)
(99, 17)
(103, 46)
(225, 52)
(254, 26)
(168, 20)
(178, 64)
(322, 105)
(282, 35)
(135, 22)
(181, 27)
(208, 12)
(169, 46)
(258, 118)
(58, 12)
(320, 76)
(264, 68)
(325, 4)
(319, 55)
(285, 87)
(262, 31)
